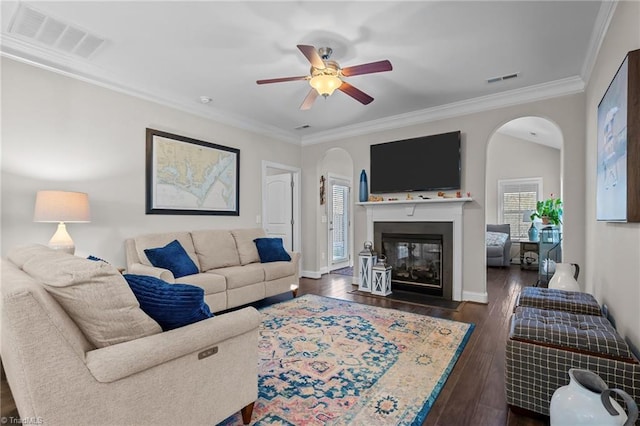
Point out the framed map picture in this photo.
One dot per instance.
(191, 177)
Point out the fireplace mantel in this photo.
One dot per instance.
(421, 210)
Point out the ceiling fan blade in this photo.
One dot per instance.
(280, 80)
(356, 94)
(312, 56)
(369, 68)
(309, 100)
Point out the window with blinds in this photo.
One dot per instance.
(515, 196)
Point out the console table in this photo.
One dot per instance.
(529, 247)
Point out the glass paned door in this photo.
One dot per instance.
(339, 225)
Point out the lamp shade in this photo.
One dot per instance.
(325, 84)
(526, 215)
(61, 206)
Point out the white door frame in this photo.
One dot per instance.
(295, 175)
(349, 182)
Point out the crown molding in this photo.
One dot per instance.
(21, 51)
(553, 89)
(605, 14)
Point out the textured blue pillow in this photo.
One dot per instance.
(271, 250)
(172, 257)
(170, 305)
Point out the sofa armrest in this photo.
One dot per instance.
(124, 359)
(140, 269)
(507, 248)
(295, 256)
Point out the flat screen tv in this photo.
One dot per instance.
(427, 163)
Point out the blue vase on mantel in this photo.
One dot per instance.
(534, 234)
(364, 191)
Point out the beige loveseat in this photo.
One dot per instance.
(228, 262)
(78, 350)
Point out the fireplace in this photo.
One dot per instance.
(420, 254)
(438, 211)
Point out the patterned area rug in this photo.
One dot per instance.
(328, 361)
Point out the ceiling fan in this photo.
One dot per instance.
(327, 76)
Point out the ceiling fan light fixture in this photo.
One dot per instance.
(325, 84)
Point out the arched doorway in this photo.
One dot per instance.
(335, 232)
(524, 165)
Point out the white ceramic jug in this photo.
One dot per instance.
(564, 278)
(586, 400)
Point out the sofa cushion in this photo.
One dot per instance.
(210, 283)
(240, 276)
(172, 257)
(215, 249)
(276, 270)
(246, 247)
(495, 251)
(170, 305)
(160, 239)
(94, 295)
(271, 250)
(19, 255)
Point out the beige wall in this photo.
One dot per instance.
(61, 133)
(613, 249)
(567, 112)
(509, 157)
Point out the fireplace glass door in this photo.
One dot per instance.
(416, 259)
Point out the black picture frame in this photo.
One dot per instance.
(618, 145)
(186, 176)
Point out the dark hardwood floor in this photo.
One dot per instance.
(474, 392)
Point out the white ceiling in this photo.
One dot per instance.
(534, 129)
(442, 53)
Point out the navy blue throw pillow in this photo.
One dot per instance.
(170, 305)
(271, 250)
(172, 257)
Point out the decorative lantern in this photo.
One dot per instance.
(367, 258)
(381, 280)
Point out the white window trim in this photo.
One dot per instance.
(519, 181)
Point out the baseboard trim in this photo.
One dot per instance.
(472, 296)
(311, 274)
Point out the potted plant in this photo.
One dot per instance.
(549, 211)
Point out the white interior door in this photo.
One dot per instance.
(279, 208)
(338, 209)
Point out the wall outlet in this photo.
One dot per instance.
(324, 255)
(258, 219)
(323, 219)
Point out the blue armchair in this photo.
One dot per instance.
(498, 241)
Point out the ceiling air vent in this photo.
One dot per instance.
(36, 26)
(304, 126)
(501, 78)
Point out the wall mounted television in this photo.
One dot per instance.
(618, 147)
(427, 163)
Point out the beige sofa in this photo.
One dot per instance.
(75, 355)
(230, 270)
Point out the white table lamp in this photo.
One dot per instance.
(61, 207)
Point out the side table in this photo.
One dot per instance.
(529, 247)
